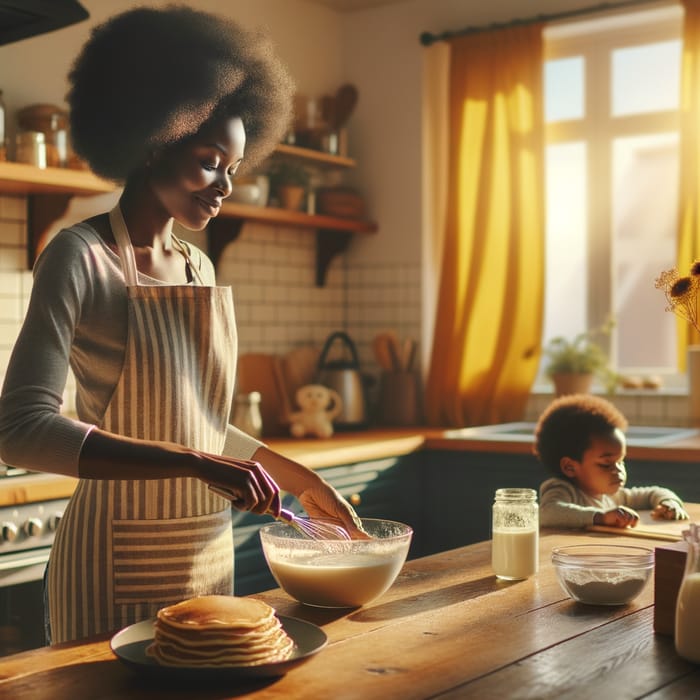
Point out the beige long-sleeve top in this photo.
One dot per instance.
(77, 317)
(564, 505)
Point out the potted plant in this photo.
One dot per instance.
(572, 364)
(289, 182)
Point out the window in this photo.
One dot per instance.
(612, 89)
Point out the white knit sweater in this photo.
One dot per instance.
(562, 504)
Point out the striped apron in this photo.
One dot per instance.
(126, 548)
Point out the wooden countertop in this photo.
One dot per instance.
(446, 627)
(31, 488)
(342, 448)
(346, 448)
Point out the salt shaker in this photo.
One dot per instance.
(515, 534)
(246, 413)
(687, 628)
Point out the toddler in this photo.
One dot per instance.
(580, 438)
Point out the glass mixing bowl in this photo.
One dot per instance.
(336, 573)
(603, 574)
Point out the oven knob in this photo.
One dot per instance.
(8, 532)
(53, 521)
(33, 527)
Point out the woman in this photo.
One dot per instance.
(169, 102)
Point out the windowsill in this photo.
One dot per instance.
(547, 390)
(666, 406)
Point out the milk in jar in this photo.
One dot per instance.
(515, 534)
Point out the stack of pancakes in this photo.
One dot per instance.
(219, 630)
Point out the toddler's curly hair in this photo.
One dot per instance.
(567, 425)
(149, 78)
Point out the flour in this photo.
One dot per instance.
(613, 592)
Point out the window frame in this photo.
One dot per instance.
(594, 41)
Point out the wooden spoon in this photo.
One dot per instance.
(382, 352)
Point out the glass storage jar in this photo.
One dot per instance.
(30, 147)
(515, 534)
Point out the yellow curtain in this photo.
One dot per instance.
(688, 214)
(490, 301)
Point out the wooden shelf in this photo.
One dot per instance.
(297, 219)
(19, 178)
(333, 234)
(311, 156)
(49, 190)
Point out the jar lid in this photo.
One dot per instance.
(516, 494)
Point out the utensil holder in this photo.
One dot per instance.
(399, 398)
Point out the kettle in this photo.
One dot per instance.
(343, 376)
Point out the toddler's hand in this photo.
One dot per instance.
(618, 517)
(669, 510)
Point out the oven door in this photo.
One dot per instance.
(22, 600)
(22, 567)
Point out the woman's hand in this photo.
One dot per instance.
(669, 510)
(322, 501)
(244, 482)
(617, 517)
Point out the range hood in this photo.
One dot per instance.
(21, 19)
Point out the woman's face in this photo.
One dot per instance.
(602, 466)
(193, 178)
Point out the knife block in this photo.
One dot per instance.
(668, 573)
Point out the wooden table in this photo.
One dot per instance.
(447, 628)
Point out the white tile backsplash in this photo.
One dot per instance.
(667, 407)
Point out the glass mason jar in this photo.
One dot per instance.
(687, 628)
(515, 534)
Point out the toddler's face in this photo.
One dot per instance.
(602, 466)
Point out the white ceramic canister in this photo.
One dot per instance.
(246, 413)
(515, 534)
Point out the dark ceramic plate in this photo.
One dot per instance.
(130, 647)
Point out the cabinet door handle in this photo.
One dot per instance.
(355, 499)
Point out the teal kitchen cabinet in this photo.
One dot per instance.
(457, 489)
(383, 488)
(681, 477)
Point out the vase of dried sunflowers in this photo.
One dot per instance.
(682, 293)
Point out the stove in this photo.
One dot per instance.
(26, 535)
(27, 532)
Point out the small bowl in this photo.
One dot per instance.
(245, 193)
(336, 573)
(603, 574)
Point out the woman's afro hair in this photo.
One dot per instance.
(149, 78)
(567, 425)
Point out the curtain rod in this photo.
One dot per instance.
(428, 38)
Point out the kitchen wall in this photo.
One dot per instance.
(382, 280)
(271, 268)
